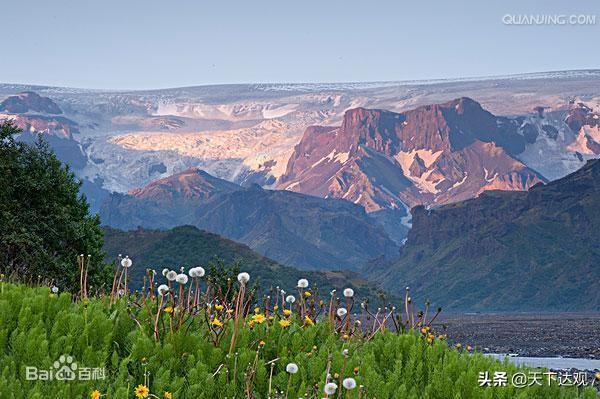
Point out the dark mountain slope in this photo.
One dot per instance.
(187, 246)
(535, 250)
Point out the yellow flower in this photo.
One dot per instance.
(262, 343)
(469, 348)
(256, 310)
(442, 337)
(458, 346)
(275, 308)
(217, 323)
(356, 370)
(259, 318)
(345, 337)
(597, 375)
(287, 312)
(95, 394)
(251, 324)
(141, 391)
(168, 395)
(218, 307)
(424, 330)
(169, 309)
(285, 323)
(229, 311)
(308, 321)
(307, 294)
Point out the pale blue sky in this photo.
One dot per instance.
(154, 44)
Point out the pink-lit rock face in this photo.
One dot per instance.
(432, 155)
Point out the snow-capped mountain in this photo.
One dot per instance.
(121, 140)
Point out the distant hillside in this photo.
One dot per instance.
(535, 250)
(187, 246)
(294, 229)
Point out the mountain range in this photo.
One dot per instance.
(324, 176)
(294, 229)
(531, 250)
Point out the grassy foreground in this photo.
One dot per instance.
(186, 355)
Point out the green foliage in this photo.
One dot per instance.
(36, 327)
(44, 222)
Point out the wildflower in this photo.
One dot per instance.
(356, 370)
(217, 323)
(169, 309)
(349, 383)
(259, 318)
(307, 294)
(345, 337)
(597, 375)
(171, 275)
(243, 278)
(424, 330)
(275, 308)
(165, 271)
(218, 308)
(330, 388)
(167, 395)
(308, 321)
(126, 262)
(95, 394)
(348, 292)
(302, 283)
(262, 344)
(291, 368)
(182, 278)
(341, 312)
(458, 346)
(442, 337)
(163, 290)
(229, 311)
(54, 289)
(345, 352)
(141, 391)
(287, 312)
(197, 272)
(285, 323)
(290, 299)
(256, 310)
(469, 348)
(251, 324)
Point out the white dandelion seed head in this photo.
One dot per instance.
(182, 278)
(330, 388)
(165, 271)
(163, 289)
(291, 368)
(126, 262)
(302, 283)
(348, 292)
(54, 289)
(345, 352)
(349, 383)
(341, 312)
(243, 278)
(290, 299)
(200, 272)
(171, 275)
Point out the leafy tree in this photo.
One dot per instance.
(44, 221)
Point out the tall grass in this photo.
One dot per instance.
(188, 354)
